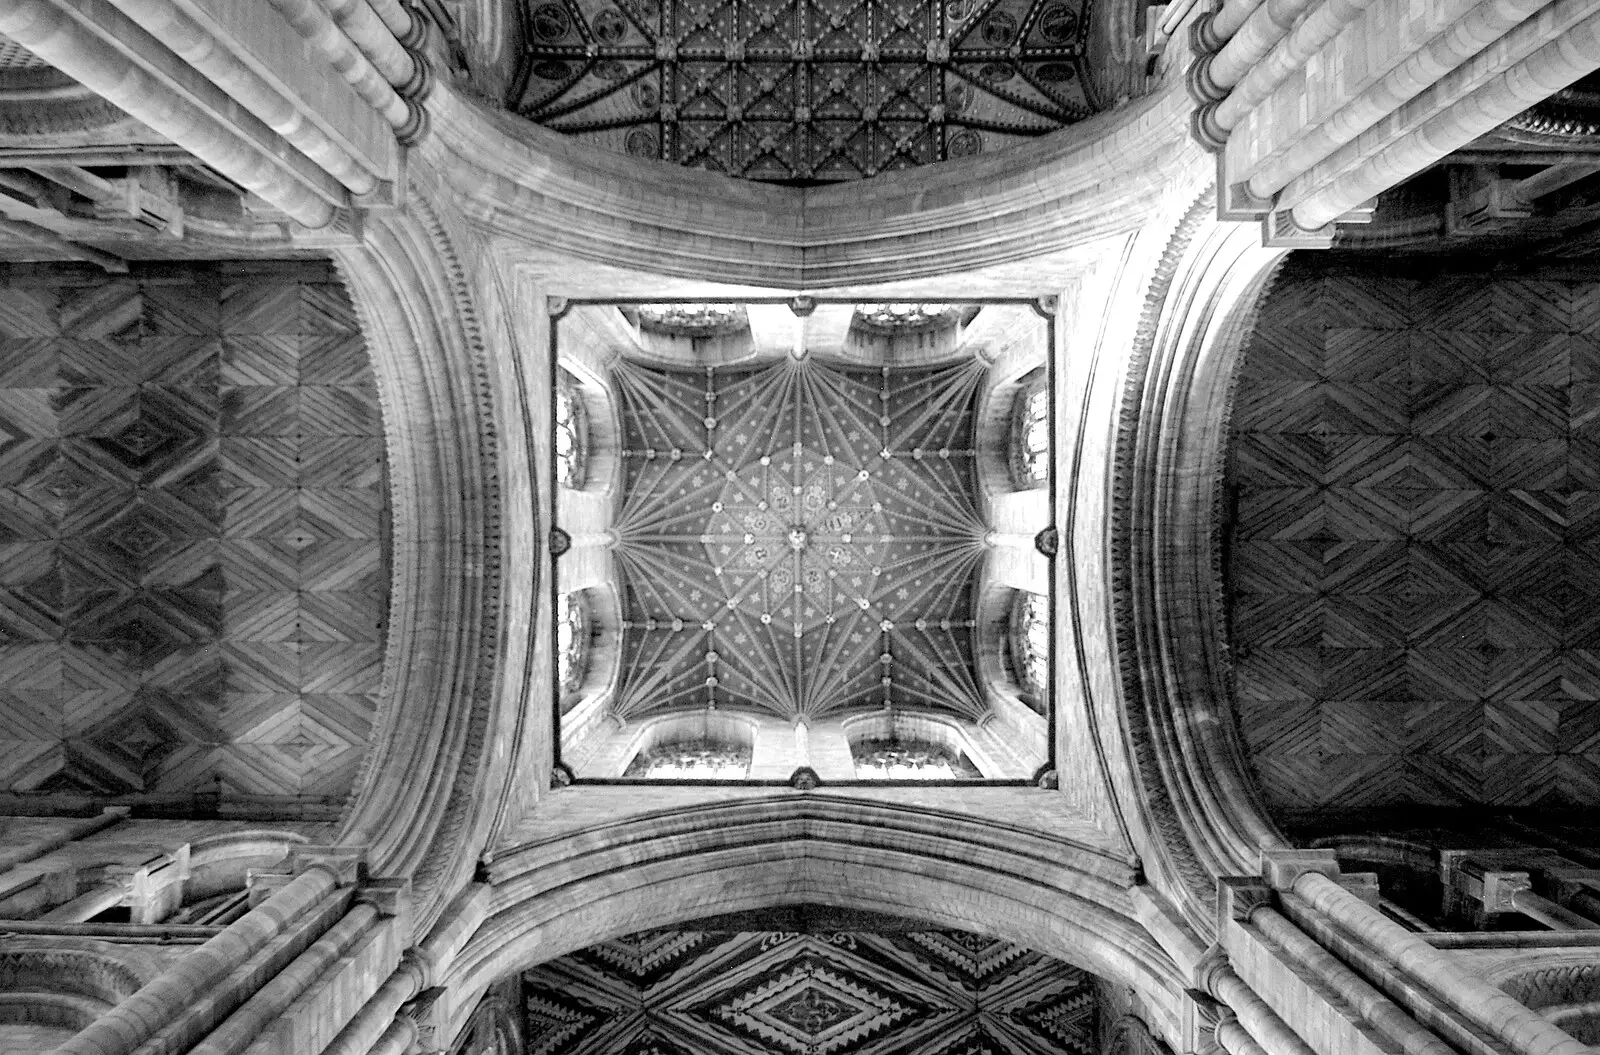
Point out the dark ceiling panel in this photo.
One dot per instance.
(193, 579)
(781, 993)
(803, 90)
(799, 539)
(1415, 562)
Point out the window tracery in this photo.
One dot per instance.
(1030, 646)
(693, 320)
(1030, 438)
(692, 760)
(572, 434)
(899, 759)
(572, 641)
(900, 318)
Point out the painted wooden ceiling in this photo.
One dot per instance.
(799, 538)
(803, 90)
(1415, 557)
(193, 576)
(785, 993)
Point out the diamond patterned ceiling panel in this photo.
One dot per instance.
(798, 539)
(778, 993)
(1414, 562)
(803, 90)
(193, 581)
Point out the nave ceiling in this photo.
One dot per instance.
(1413, 557)
(193, 538)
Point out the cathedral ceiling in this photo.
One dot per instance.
(193, 577)
(784, 993)
(803, 90)
(1415, 556)
(799, 539)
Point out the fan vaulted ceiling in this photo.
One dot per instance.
(799, 538)
(783, 993)
(803, 90)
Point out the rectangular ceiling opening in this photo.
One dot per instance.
(800, 542)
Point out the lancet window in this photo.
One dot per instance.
(899, 317)
(572, 433)
(572, 641)
(1030, 438)
(693, 320)
(692, 760)
(1030, 646)
(910, 760)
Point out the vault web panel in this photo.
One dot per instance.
(798, 539)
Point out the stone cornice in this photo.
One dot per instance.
(563, 201)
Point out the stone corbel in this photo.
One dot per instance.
(1237, 898)
(1235, 202)
(1201, 1015)
(1281, 868)
(1280, 230)
(425, 1012)
(391, 897)
(347, 863)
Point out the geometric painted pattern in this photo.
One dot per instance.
(803, 90)
(806, 546)
(776, 993)
(1414, 559)
(193, 581)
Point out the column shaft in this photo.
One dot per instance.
(1290, 54)
(283, 114)
(62, 33)
(1481, 1003)
(87, 905)
(1460, 41)
(376, 41)
(1263, 29)
(75, 830)
(394, 14)
(165, 997)
(1554, 66)
(1370, 1004)
(1234, 1039)
(312, 22)
(1264, 1025)
(376, 1015)
(245, 1024)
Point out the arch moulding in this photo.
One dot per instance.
(1194, 784)
(1060, 894)
(417, 809)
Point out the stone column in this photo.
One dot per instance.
(179, 103)
(1486, 1007)
(70, 831)
(201, 976)
(303, 96)
(405, 116)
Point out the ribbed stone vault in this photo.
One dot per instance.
(804, 90)
(798, 539)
